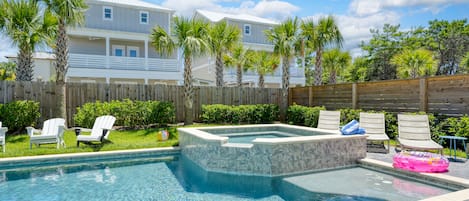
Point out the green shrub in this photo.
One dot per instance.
(457, 126)
(260, 113)
(19, 114)
(347, 115)
(128, 113)
(303, 115)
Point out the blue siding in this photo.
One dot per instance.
(124, 19)
(257, 32)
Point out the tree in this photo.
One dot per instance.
(414, 63)
(68, 13)
(285, 37)
(189, 35)
(222, 38)
(265, 63)
(380, 49)
(358, 71)
(323, 34)
(240, 58)
(451, 41)
(22, 22)
(464, 65)
(335, 62)
(7, 71)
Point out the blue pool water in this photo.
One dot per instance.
(175, 178)
(250, 138)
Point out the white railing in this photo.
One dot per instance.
(122, 63)
(294, 72)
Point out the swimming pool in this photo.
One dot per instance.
(173, 177)
(249, 137)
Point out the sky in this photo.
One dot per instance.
(354, 17)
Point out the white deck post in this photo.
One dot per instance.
(146, 54)
(107, 52)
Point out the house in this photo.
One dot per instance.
(113, 46)
(253, 37)
(43, 67)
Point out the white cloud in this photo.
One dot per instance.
(367, 7)
(273, 9)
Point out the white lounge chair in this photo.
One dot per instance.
(414, 133)
(375, 127)
(329, 120)
(3, 131)
(101, 129)
(52, 132)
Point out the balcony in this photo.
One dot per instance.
(294, 72)
(122, 63)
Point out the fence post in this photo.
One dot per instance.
(310, 96)
(354, 96)
(423, 95)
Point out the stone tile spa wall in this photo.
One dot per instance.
(271, 156)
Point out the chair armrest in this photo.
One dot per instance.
(61, 131)
(3, 130)
(105, 130)
(30, 130)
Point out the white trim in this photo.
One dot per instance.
(108, 33)
(87, 81)
(104, 13)
(244, 29)
(140, 17)
(130, 48)
(115, 47)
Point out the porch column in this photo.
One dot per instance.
(108, 48)
(146, 54)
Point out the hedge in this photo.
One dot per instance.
(128, 113)
(255, 114)
(19, 114)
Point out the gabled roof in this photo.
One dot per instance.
(216, 17)
(134, 3)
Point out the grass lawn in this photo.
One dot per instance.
(18, 145)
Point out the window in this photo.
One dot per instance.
(107, 13)
(247, 29)
(144, 17)
(132, 51)
(118, 50)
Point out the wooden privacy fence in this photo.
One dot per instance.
(81, 93)
(447, 95)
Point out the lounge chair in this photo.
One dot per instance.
(329, 120)
(414, 133)
(52, 132)
(3, 130)
(375, 127)
(100, 132)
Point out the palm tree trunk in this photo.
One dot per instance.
(61, 67)
(219, 70)
(239, 75)
(24, 71)
(318, 68)
(333, 77)
(285, 86)
(188, 91)
(261, 81)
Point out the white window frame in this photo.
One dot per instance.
(244, 29)
(148, 17)
(104, 13)
(130, 48)
(114, 47)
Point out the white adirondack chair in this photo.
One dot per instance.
(100, 131)
(329, 120)
(3, 130)
(52, 132)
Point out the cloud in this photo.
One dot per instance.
(273, 9)
(5, 48)
(367, 7)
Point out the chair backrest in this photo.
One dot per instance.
(373, 123)
(413, 127)
(329, 120)
(102, 122)
(51, 126)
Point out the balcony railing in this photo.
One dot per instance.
(122, 63)
(294, 72)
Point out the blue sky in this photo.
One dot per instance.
(355, 17)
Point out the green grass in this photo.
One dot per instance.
(18, 145)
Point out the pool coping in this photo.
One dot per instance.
(460, 195)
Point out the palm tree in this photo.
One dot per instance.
(285, 37)
(68, 13)
(222, 37)
(321, 35)
(265, 63)
(335, 61)
(414, 63)
(240, 58)
(21, 20)
(190, 35)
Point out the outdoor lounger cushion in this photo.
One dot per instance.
(414, 133)
(329, 120)
(375, 126)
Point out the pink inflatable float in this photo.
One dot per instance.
(416, 161)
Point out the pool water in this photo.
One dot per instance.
(177, 178)
(248, 137)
